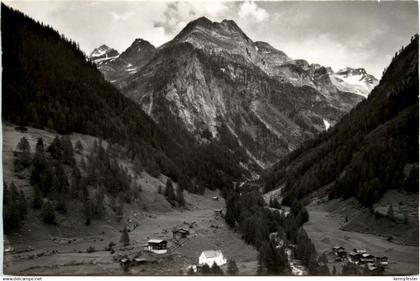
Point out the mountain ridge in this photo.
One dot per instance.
(267, 101)
(217, 37)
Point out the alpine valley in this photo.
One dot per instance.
(212, 154)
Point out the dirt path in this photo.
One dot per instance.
(323, 229)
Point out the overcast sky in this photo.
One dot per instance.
(337, 34)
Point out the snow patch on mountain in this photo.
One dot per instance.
(326, 124)
(354, 80)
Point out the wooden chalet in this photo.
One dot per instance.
(156, 246)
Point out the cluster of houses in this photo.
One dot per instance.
(360, 257)
(160, 247)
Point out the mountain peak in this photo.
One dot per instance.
(138, 45)
(140, 40)
(103, 53)
(137, 53)
(355, 80)
(203, 24)
(201, 21)
(351, 71)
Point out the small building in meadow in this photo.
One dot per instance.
(338, 249)
(210, 257)
(180, 233)
(367, 258)
(354, 257)
(157, 246)
(382, 260)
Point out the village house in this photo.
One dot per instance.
(340, 252)
(354, 257)
(338, 249)
(218, 212)
(367, 258)
(382, 260)
(210, 257)
(371, 266)
(156, 246)
(360, 251)
(180, 233)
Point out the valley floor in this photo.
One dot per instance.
(324, 230)
(69, 261)
(39, 249)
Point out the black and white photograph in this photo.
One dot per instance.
(210, 138)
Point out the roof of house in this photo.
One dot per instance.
(366, 255)
(156, 241)
(180, 230)
(212, 254)
(360, 250)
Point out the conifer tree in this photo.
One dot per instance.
(125, 239)
(99, 202)
(169, 191)
(390, 212)
(23, 145)
(37, 198)
(180, 195)
(14, 207)
(23, 207)
(68, 153)
(56, 149)
(47, 213)
(40, 146)
(76, 180)
(216, 270)
(232, 268)
(205, 269)
(23, 159)
(79, 146)
(88, 210)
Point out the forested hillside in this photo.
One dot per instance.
(48, 83)
(372, 149)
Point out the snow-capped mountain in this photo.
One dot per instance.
(103, 54)
(213, 82)
(117, 66)
(354, 80)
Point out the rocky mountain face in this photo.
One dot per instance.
(220, 85)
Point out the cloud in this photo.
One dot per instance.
(250, 10)
(347, 33)
(178, 14)
(122, 16)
